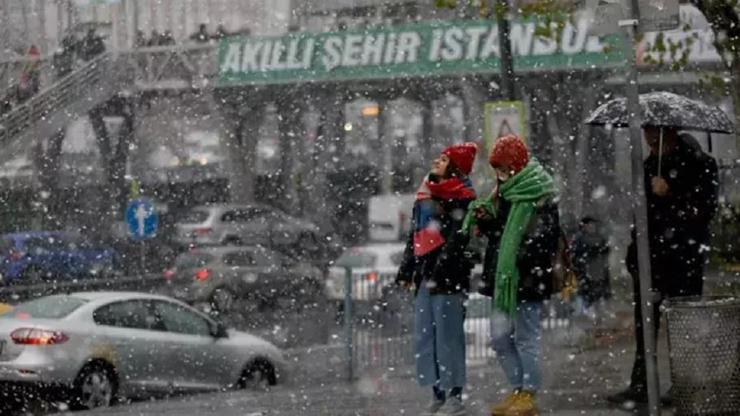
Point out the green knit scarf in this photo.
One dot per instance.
(523, 191)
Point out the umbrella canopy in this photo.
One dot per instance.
(665, 109)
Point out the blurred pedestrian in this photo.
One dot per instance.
(591, 265)
(166, 38)
(92, 46)
(65, 56)
(434, 263)
(30, 81)
(6, 103)
(140, 40)
(153, 38)
(521, 222)
(201, 36)
(221, 33)
(681, 189)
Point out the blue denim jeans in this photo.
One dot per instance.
(516, 341)
(440, 340)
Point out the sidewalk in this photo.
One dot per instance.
(580, 367)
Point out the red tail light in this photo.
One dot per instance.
(372, 277)
(16, 255)
(202, 275)
(169, 274)
(34, 336)
(202, 231)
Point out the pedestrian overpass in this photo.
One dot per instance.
(100, 86)
(320, 71)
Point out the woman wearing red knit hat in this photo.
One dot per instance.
(521, 222)
(435, 265)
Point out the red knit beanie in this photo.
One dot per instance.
(509, 151)
(462, 156)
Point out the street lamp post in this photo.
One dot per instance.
(647, 298)
(501, 11)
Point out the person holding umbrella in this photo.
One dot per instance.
(682, 197)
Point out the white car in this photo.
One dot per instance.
(373, 267)
(90, 348)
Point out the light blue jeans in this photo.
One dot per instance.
(440, 340)
(516, 340)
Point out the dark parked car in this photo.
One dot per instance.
(42, 255)
(219, 276)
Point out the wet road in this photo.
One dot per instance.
(575, 384)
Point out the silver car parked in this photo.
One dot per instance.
(96, 347)
(230, 224)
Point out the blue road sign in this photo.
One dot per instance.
(142, 220)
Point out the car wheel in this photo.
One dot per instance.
(95, 387)
(259, 375)
(223, 300)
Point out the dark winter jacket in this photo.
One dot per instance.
(590, 253)
(536, 254)
(678, 224)
(447, 268)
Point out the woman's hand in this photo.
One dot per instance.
(482, 215)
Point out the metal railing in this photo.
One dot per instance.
(152, 68)
(57, 96)
(173, 67)
(378, 319)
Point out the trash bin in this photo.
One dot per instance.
(704, 346)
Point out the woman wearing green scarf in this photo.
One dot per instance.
(521, 222)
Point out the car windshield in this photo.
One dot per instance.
(191, 260)
(357, 258)
(50, 307)
(194, 216)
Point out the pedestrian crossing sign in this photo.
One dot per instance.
(503, 118)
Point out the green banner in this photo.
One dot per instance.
(417, 50)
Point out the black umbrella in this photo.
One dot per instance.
(665, 109)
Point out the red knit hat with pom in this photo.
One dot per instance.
(462, 156)
(509, 151)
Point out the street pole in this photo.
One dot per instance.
(348, 316)
(501, 11)
(639, 206)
